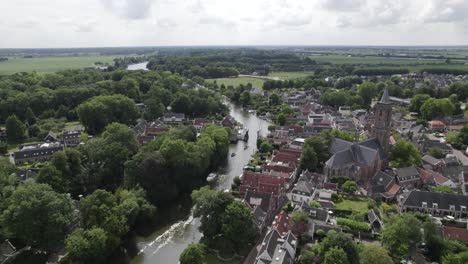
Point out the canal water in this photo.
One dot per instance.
(165, 245)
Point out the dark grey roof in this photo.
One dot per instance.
(303, 188)
(374, 144)
(339, 145)
(318, 214)
(452, 161)
(430, 159)
(385, 97)
(372, 216)
(408, 173)
(443, 200)
(380, 181)
(263, 197)
(37, 150)
(259, 216)
(354, 153)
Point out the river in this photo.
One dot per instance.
(165, 245)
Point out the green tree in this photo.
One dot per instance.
(238, 225)
(3, 148)
(309, 159)
(154, 109)
(463, 135)
(87, 245)
(266, 147)
(53, 177)
(443, 189)
(373, 254)
(281, 119)
(404, 154)
(436, 153)
(37, 216)
(275, 99)
(349, 186)
(451, 258)
(432, 108)
(245, 98)
(193, 254)
(334, 256)
(209, 203)
(367, 90)
(417, 101)
(342, 241)
(300, 216)
(401, 235)
(16, 130)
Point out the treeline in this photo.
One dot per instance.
(33, 97)
(218, 63)
(444, 71)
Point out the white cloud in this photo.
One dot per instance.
(72, 23)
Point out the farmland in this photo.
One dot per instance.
(256, 82)
(51, 63)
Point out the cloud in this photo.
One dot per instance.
(447, 11)
(130, 9)
(216, 21)
(343, 5)
(166, 23)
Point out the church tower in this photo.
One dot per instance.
(383, 121)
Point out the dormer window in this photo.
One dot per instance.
(435, 206)
(452, 207)
(463, 208)
(424, 204)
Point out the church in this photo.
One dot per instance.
(361, 160)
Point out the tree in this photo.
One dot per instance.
(36, 215)
(300, 216)
(154, 109)
(463, 135)
(87, 245)
(373, 254)
(193, 254)
(335, 255)
(309, 159)
(436, 153)
(245, 98)
(367, 90)
(404, 154)
(281, 119)
(432, 108)
(3, 148)
(53, 177)
(443, 189)
(417, 101)
(451, 258)
(209, 203)
(342, 241)
(401, 235)
(266, 147)
(238, 225)
(274, 99)
(349, 187)
(16, 130)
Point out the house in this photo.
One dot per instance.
(51, 137)
(71, 138)
(200, 123)
(384, 185)
(267, 202)
(408, 177)
(283, 223)
(36, 152)
(434, 164)
(277, 248)
(434, 203)
(228, 121)
(375, 221)
(455, 233)
(259, 217)
(261, 183)
(315, 214)
(173, 117)
(425, 145)
(436, 126)
(297, 143)
(302, 192)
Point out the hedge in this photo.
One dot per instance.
(353, 225)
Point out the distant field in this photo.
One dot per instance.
(289, 75)
(256, 82)
(50, 64)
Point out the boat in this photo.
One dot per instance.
(211, 177)
(233, 154)
(246, 147)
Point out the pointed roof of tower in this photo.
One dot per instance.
(385, 97)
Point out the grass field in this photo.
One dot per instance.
(289, 75)
(50, 64)
(353, 205)
(256, 82)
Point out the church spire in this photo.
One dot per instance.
(385, 97)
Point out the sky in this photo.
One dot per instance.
(109, 23)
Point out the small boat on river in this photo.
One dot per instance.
(233, 154)
(212, 177)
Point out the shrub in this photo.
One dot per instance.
(353, 225)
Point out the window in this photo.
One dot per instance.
(463, 208)
(424, 205)
(435, 206)
(452, 207)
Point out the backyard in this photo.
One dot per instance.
(353, 204)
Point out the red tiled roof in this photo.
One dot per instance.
(283, 223)
(394, 189)
(455, 233)
(279, 168)
(285, 157)
(436, 124)
(330, 186)
(426, 176)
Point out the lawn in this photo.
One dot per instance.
(51, 64)
(256, 82)
(358, 205)
(289, 75)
